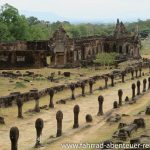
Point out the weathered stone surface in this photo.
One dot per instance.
(83, 88)
(100, 101)
(106, 82)
(91, 82)
(115, 105)
(144, 85)
(59, 118)
(133, 90)
(72, 87)
(127, 99)
(20, 104)
(36, 97)
(76, 111)
(67, 74)
(147, 112)
(14, 136)
(139, 122)
(2, 120)
(114, 118)
(120, 93)
(39, 124)
(138, 87)
(88, 118)
(51, 94)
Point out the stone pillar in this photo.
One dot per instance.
(83, 88)
(120, 93)
(144, 85)
(91, 82)
(136, 73)
(13, 58)
(133, 90)
(51, 94)
(106, 82)
(132, 74)
(140, 71)
(100, 100)
(138, 87)
(39, 124)
(76, 111)
(14, 136)
(59, 118)
(122, 76)
(37, 107)
(72, 87)
(115, 105)
(19, 104)
(112, 80)
(149, 83)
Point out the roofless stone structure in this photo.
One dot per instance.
(66, 51)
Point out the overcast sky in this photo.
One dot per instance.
(83, 10)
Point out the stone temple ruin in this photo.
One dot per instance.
(66, 51)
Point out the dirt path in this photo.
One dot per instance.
(88, 104)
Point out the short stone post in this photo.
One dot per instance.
(138, 87)
(19, 104)
(136, 73)
(14, 136)
(51, 94)
(115, 105)
(59, 118)
(91, 82)
(83, 88)
(120, 93)
(100, 101)
(39, 124)
(76, 111)
(133, 90)
(127, 99)
(106, 82)
(37, 97)
(122, 76)
(144, 85)
(132, 74)
(140, 71)
(149, 83)
(72, 87)
(112, 80)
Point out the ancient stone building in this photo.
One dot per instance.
(23, 54)
(66, 51)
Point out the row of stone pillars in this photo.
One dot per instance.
(138, 87)
(136, 71)
(39, 124)
(120, 92)
(72, 87)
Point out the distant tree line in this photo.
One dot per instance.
(14, 26)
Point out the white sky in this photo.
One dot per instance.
(84, 10)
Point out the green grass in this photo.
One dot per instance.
(145, 47)
(19, 85)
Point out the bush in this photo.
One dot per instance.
(105, 59)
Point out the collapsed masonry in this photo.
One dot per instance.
(66, 51)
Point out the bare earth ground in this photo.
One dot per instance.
(88, 104)
(9, 85)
